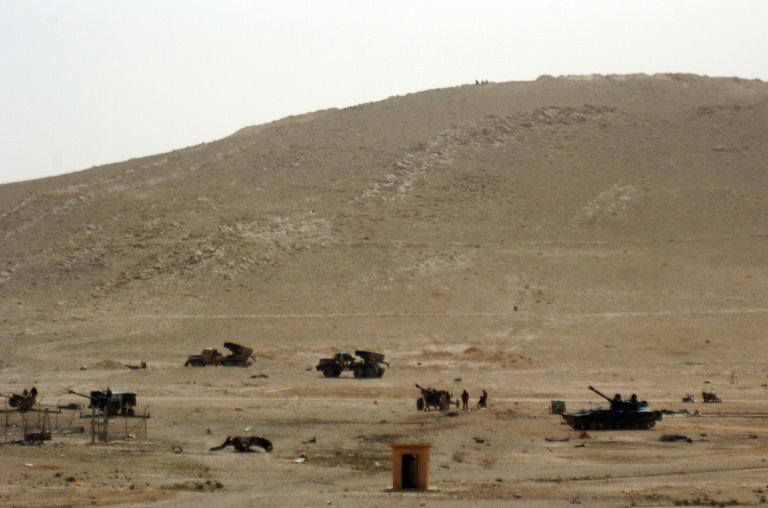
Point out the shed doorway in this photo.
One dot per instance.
(410, 466)
(410, 471)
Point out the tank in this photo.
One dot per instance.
(622, 414)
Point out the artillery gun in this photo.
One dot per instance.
(431, 398)
(370, 364)
(241, 357)
(20, 402)
(110, 403)
(623, 414)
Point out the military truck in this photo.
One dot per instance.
(370, 364)
(241, 357)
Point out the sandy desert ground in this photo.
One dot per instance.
(529, 239)
(527, 456)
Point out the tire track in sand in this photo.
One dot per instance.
(567, 315)
(51, 349)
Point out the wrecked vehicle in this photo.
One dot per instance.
(623, 414)
(370, 364)
(241, 357)
(431, 398)
(243, 444)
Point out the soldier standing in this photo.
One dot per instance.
(465, 401)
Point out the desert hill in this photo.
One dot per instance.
(612, 224)
(560, 196)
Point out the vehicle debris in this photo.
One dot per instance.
(685, 412)
(73, 406)
(244, 443)
(675, 437)
(710, 397)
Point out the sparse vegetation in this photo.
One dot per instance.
(705, 500)
(459, 457)
(199, 486)
(361, 460)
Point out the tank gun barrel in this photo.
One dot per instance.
(600, 394)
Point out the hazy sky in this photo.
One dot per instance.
(90, 82)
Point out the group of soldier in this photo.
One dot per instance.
(30, 394)
(621, 404)
(442, 399)
(481, 404)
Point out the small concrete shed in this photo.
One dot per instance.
(410, 466)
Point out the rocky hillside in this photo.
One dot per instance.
(478, 209)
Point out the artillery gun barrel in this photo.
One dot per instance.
(600, 394)
(426, 391)
(81, 395)
(10, 396)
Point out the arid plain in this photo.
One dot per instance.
(526, 238)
